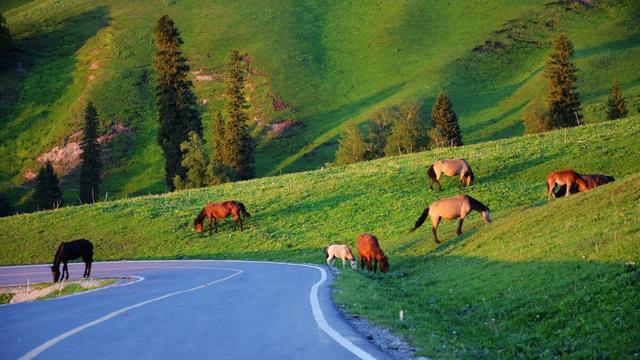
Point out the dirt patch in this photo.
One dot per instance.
(283, 126)
(36, 291)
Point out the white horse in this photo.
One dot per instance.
(339, 251)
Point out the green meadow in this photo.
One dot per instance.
(545, 279)
(332, 62)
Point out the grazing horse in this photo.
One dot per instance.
(214, 211)
(69, 251)
(370, 253)
(451, 208)
(339, 251)
(450, 168)
(593, 181)
(568, 178)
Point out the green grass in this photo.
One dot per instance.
(333, 62)
(74, 288)
(543, 280)
(5, 298)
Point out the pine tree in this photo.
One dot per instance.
(47, 194)
(562, 100)
(445, 121)
(535, 119)
(217, 172)
(177, 108)
(616, 106)
(195, 161)
(379, 131)
(6, 209)
(238, 146)
(5, 36)
(351, 148)
(410, 131)
(90, 161)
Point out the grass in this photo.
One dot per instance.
(74, 288)
(332, 62)
(54, 290)
(543, 280)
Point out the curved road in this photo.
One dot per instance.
(184, 309)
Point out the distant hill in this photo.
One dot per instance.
(314, 63)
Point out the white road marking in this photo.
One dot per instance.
(35, 352)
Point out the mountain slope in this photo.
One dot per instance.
(330, 63)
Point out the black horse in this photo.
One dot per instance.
(69, 251)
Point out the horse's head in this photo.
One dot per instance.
(197, 226)
(197, 223)
(384, 264)
(486, 216)
(470, 178)
(354, 264)
(55, 273)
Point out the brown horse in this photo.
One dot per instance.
(369, 253)
(214, 211)
(72, 250)
(450, 168)
(568, 178)
(593, 181)
(451, 208)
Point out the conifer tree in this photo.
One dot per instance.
(410, 131)
(351, 148)
(47, 194)
(218, 172)
(616, 106)
(445, 121)
(5, 36)
(177, 110)
(562, 100)
(195, 161)
(238, 146)
(6, 209)
(535, 119)
(90, 161)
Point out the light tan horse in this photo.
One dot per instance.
(339, 251)
(450, 168)
(451, 208)
(568, 178)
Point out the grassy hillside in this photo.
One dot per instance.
(331, 62)
(544, 279)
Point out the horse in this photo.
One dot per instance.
(450, 168)
(69, 251)
(370, 253)
(339, 251)
(451, 208)
(214, 211)
(593, 181)
(566, 177)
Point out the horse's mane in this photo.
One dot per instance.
(477, 205)
(471, 174)
(200, 218)
(56, 259)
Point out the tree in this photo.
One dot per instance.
(47, 194)
(218, 172)
(6, 209)
(562, 100)
(616, 106)
(237, 147)
(410, 131)
(445, 121)
(177, 107)
(535, 119)
(379, 131)
(5, 36)
(195, 161)
(90, 161)
(352, 148)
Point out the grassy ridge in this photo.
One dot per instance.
(542, 280)
(332, 62)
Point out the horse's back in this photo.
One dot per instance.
(368, 245)
(453, 166)
(77, 248)
(449, 208)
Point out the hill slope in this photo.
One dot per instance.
(544, 279)
(329, 62)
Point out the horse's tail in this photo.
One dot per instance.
(243, 210)
(326, 253)
(432, 173)
(421, 219)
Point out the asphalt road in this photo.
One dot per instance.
(186, 310)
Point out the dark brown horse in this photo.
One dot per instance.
(370, 253)
(569, 178)
(593, 181)
(450, 168)
(451, 208)
(72, 250)
(214, 211)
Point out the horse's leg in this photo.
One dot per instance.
(361, 262)
(568, 192)
(215, 225)
(65, 269)
(434, 227)
(459, 230)
(375, 265)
